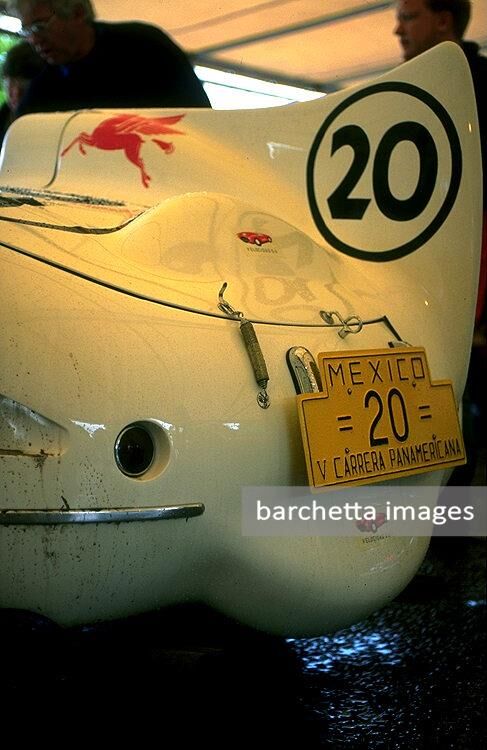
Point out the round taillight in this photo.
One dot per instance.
(134, 450)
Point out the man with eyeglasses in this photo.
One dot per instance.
(91, 64)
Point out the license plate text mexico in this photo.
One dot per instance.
(378, 416)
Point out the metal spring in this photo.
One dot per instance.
(255, 353)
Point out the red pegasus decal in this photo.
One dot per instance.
(127, 132)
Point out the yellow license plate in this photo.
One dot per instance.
(378, 417)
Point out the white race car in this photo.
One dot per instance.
(199, 302)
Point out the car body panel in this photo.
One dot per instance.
(119, 323)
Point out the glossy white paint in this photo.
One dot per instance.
(110, 316)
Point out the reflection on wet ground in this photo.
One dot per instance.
(410, 676)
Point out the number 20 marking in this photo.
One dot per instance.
(393, 395)
(342, 206)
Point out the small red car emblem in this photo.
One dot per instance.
(371, 524)
(254, 238)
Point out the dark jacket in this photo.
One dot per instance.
(5, 120)
(478, 69)
(131, 65)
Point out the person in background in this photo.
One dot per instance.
(92, 64)
(20, 66)
(421, 24)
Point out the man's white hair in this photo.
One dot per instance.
(62, 8)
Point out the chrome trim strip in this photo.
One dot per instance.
(114, 515)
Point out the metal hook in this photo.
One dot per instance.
(352, 324)
(226, 306)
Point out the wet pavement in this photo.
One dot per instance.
(410, 676)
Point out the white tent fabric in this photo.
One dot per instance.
(322, 44)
